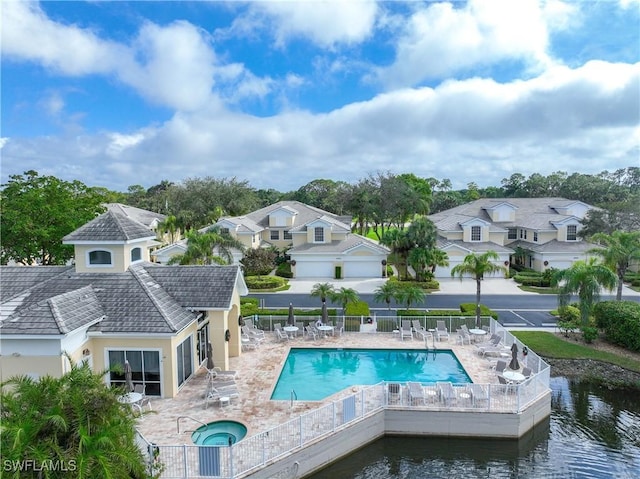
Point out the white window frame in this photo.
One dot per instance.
(574, 232)
(512, 233)
(99, 265)
(137, 248)
(476, 234)
(535, 236)
(318, 234)
(275, 233)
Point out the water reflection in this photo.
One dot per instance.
(592, 433)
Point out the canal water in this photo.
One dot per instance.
(592, 432)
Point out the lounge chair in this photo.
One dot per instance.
(464, 336)
(416, 393)
(218, 373)
(441, 331)
(494, 340)
(311, 332)
(478, 394)
(253, 330)
(279, 332)
(419, 329)
(405, 329)
(447, 393)
(394, 393)
(214, 394)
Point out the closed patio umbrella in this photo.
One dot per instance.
(291, 320)
(514, 357)
(325, 314)
(210, 364)
(128, 376)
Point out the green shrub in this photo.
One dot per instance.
(264, 282)
(532, 280)
(296, 312)
(248, 306)
(360, 308)
(284, 270)
(471, 308)
(620, 321)
(589, 334)
(569, 314)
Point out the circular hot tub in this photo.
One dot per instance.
(219, 433)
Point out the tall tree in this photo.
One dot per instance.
(618, 250)
(400, 244)
(210, 247)
(586, 279)
(75, 421)
(322, 291)
(477, 266)
(36, 212)
(344, 296)
(385, 293)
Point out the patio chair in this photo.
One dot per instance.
(252, 334)
(145, 401)
(339, 328)
(405, 329)
(526, 372)
(501, 365)
(506, 386)
(281, 335)
(464, 336)
(494, 340)
(215, 394)
(253, 330)
(447, 393)
(478, 393)
(441, 331)
(311, 332)
(419, 329)
(394, 393)
(416, 393)
(300, 326)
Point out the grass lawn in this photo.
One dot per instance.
(551, 346)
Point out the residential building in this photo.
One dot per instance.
(114, 305)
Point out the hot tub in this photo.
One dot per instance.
(219, 433)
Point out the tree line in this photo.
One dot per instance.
(37, 211)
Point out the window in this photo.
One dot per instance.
(224, 231)
(525, 234)
(100, 257)
(572, 233)
(287, 235)
(318, 234)
(145, 369)
(275, 234)
(136, 254)
(521, 234)
(476, 233)
(184, 361)
(535, 236)
(513, 233)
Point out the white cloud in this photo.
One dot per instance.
(583, 119)
(441, 39)
(173, 65)
(325, 23)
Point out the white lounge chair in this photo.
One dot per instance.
(394, 393)
(311, 332)
(441, 331)
(416, 393)
(419, 329)
(447, 393)
(405, 329)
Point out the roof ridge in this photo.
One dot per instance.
(140, 278)
(37, 285)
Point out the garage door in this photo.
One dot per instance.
(369, 269)
(314, 269)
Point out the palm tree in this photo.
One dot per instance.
(385, 293)
(169, 226)
(410, 295)
(438, 258)
(400, 244)
(75, 419)
(202, 248)
(477, 266)
(619, 249)
(344, 296)
(322, 290)
(586, 278)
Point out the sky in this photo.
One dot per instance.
(279, 93)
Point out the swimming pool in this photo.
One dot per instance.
(315, 373)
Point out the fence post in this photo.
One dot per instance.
(231, 474)
(184, 457)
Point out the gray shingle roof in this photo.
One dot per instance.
(555, 246)
(350, 242)
(476, 247)
(535, 213)
(145, 299)
(146, 217)
(110, 226)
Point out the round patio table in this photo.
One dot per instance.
(325, 329)
(291, 330)
(477, 333)
(513, 376)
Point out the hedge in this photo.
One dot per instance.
(532, 280)
(284, 270)
(470, 308)
(264, 282)
(359, 308)
(620, 321)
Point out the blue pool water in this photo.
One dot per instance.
(317, 373)
(219, 433)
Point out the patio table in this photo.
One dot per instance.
(325, 329)
(291, 330)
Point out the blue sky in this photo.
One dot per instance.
(280, 93)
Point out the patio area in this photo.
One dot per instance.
(258, 370)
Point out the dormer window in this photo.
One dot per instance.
(572, 233)
(224, 231)
(476, 233)
(318, 234)
(100, 258)
(136, 254)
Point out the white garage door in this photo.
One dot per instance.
(445, 271)
(314, 269)
(369, 269)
